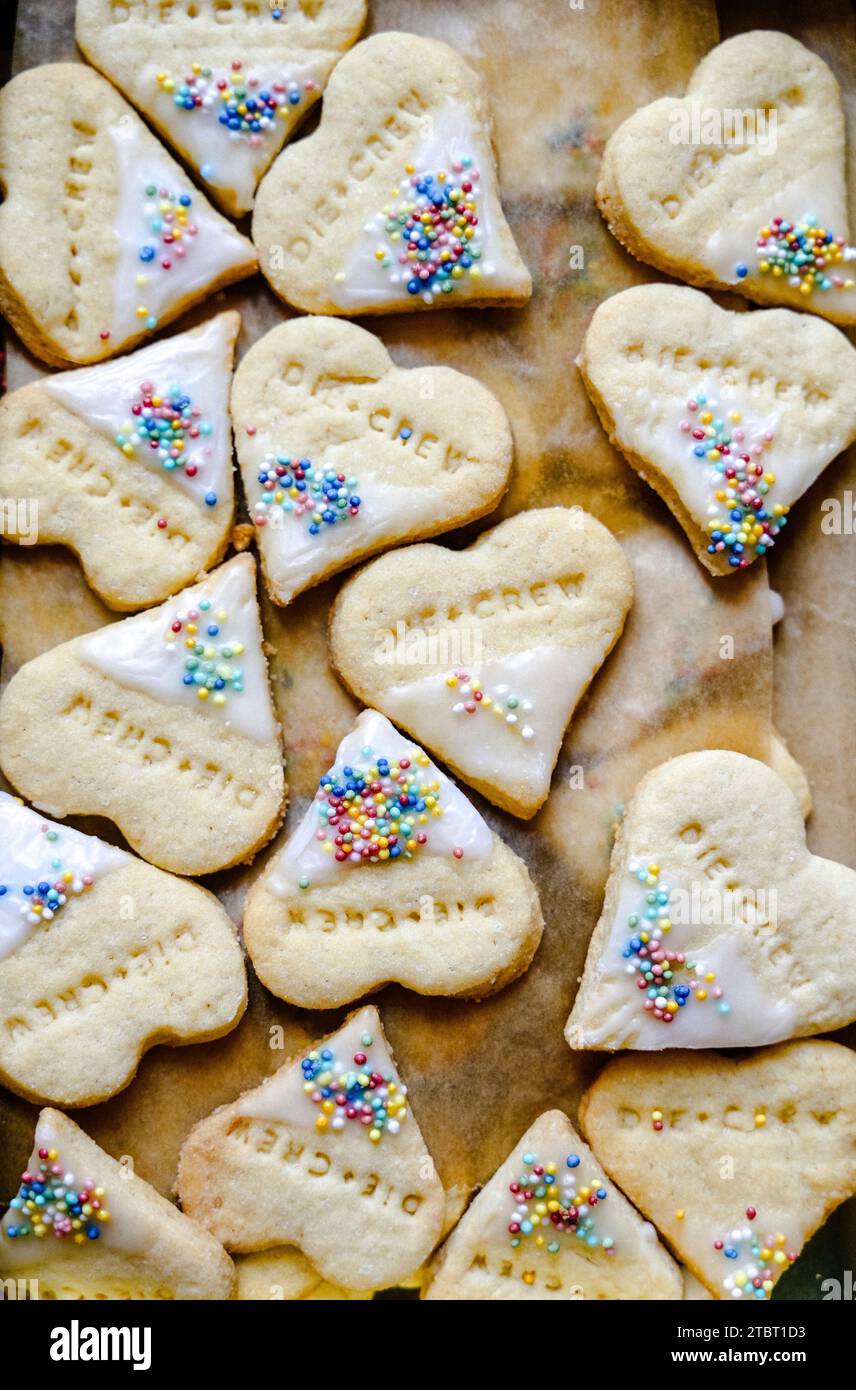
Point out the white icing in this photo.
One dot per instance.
(295, 559)
(460, 825)
(733, 243)
(27, 858)
(614, 1014)
(225, 159)
(143, 653)
(698, 1236)
(519, 745)
(650, 426)
(215, 248)
(453, 136)
(127, 1230)
(283, 1098)
(198, 363)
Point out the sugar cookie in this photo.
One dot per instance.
(740, 184)
(404, 144)
(84, 1226)
(226, 85)
(128, 463)
(484, 654)
(344, 454)
(163, 722)
(719, 928)
(103, 238)
(737, 1163)
(331, 1145)
(418, 889)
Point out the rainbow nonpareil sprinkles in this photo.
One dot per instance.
(294, 488)
(46, 896)
(49, 1202)
(762, 1259)
(471, 698)
(657, 968)
(209, 661)
(171, 235)
(808, 256)
(431, 229)
(356, 1093)
(745, 521)
(165, 426)
(549, 1207)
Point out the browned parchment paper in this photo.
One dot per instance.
(560, 79)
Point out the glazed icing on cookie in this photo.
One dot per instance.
(226, 118)
(382, 800)
(551, 1203)
(42, 865)
(315, 514)
(170, 246)
(512, 711)
(654, 989)
(435, 235)
(165, 407)
(347, 1084)
(203, 650)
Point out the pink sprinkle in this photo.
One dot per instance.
(458, 852)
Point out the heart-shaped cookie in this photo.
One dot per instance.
(729, 416)
(344, 454)
(719, 928)
(332, 1142)
(393, 202)
(103, 238)
(740, 185)
(128, 463)
(548, 1227)
(225, 84)
(483, 654)
(171, 708)
(101, 957)
(83, 1226)
(737, 1163)
(392, 874)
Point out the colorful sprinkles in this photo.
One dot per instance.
(763, 1259)
(357, 1092)
(167, 216)
(806, 254)
(655, 967)
(501, 701)
(209, 663)
(547, 1208)
(744, 521)
(293, 487)
(44, 898)
(431, 228)
(168, 425)
(246, 109)
(49, 1202)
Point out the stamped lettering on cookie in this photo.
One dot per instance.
(344, 454)
(104, 237)
(484, 654)
(82, 1225)
(171, 707)
(719, 928)
(740, 184)
(729, 416)
(393, 202)
(129, 463)
(549, 1226)
(225, 84)
(737, 1163)
(331, 1140)
(391, 875)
